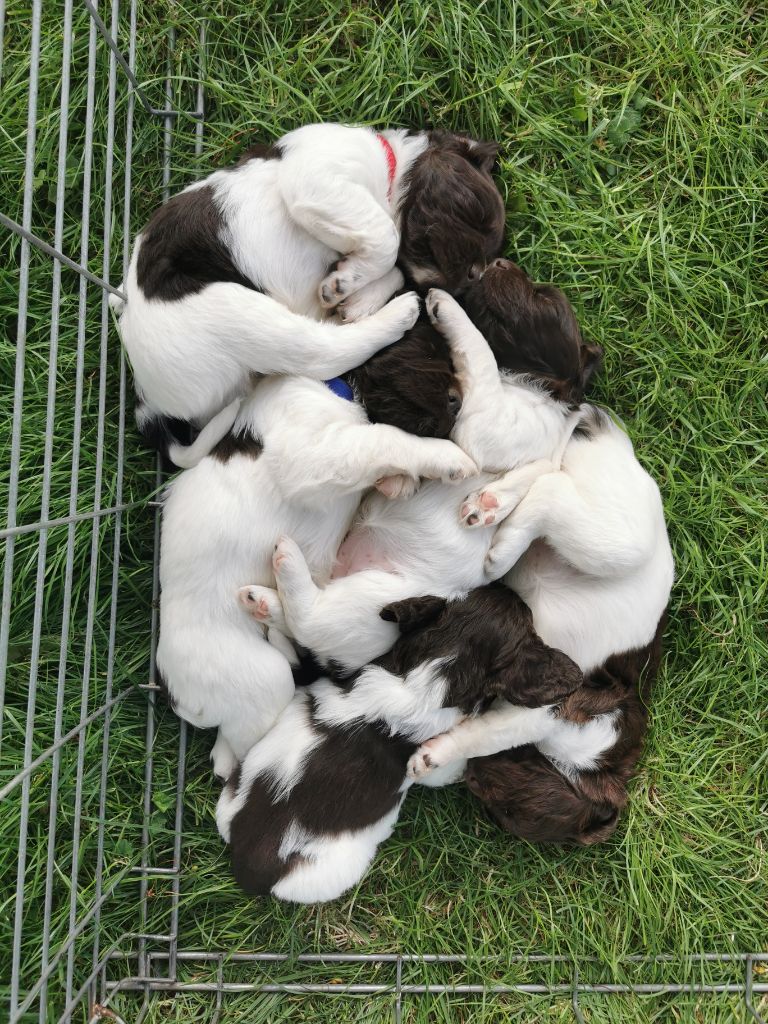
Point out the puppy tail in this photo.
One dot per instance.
(187, 456)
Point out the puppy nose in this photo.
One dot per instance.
(475, 272)
(454, 401)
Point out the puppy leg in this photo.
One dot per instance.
(605, 539)
(500, 728)
(375, 451)
(250, 332)
(370, 298)
(522, 527)
(472, 357)
(345, 216)
(341, 622)
(223, 758)
(499, 499)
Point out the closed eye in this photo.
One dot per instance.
(454, 401)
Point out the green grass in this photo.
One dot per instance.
(634, 158)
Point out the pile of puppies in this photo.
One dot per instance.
(386, 561)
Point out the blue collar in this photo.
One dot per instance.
(340, 387)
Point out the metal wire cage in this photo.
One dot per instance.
(81, 542)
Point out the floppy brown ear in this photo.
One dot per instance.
(413, 611)
(483, 154)
(591, 361)
(539, 675)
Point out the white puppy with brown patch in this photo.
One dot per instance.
(232, 276)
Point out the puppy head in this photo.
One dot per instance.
(531, 328)
(452, 217)
(487, 647)
(411, 384)
(530, 799)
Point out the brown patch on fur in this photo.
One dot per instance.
(237, 444)
(182, 251)
(259, 151)
(489, 646)
(531, 798)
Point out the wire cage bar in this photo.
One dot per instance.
(71, 659)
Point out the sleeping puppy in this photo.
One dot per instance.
(571, 788)
(298, 459)
(587, 550)
(231, 276)
(313, 799)
(421, 546)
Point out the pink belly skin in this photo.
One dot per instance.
(358, 552)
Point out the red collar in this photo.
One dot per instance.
(391, 164)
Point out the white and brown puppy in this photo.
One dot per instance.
(231, 276)
(297, 460)
(587, 550)
(315, 797)
(420, 546)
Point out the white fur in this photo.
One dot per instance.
(221, 522)
(286, 221)
(332, 865)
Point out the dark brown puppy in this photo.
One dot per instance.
(530, 797)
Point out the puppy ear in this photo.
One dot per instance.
(600, 825)
(539, 675)
(591, 361)
(483, 154)
(413, 611)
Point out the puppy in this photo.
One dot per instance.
(571, 787)
(587, 550)
(298, 459)
(421, 546)
(230, 276)
(314, 798)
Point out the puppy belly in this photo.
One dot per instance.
(358, 552)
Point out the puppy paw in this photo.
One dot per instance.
(286, 556)
(496, 564)
(435, 753)
(402, 312)
(436, 298)
(420, 764)
(223, 759)
(479, 509)
(340, 283)
(370, 298)
(261, 603)
(462, 469)
(399, 486)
